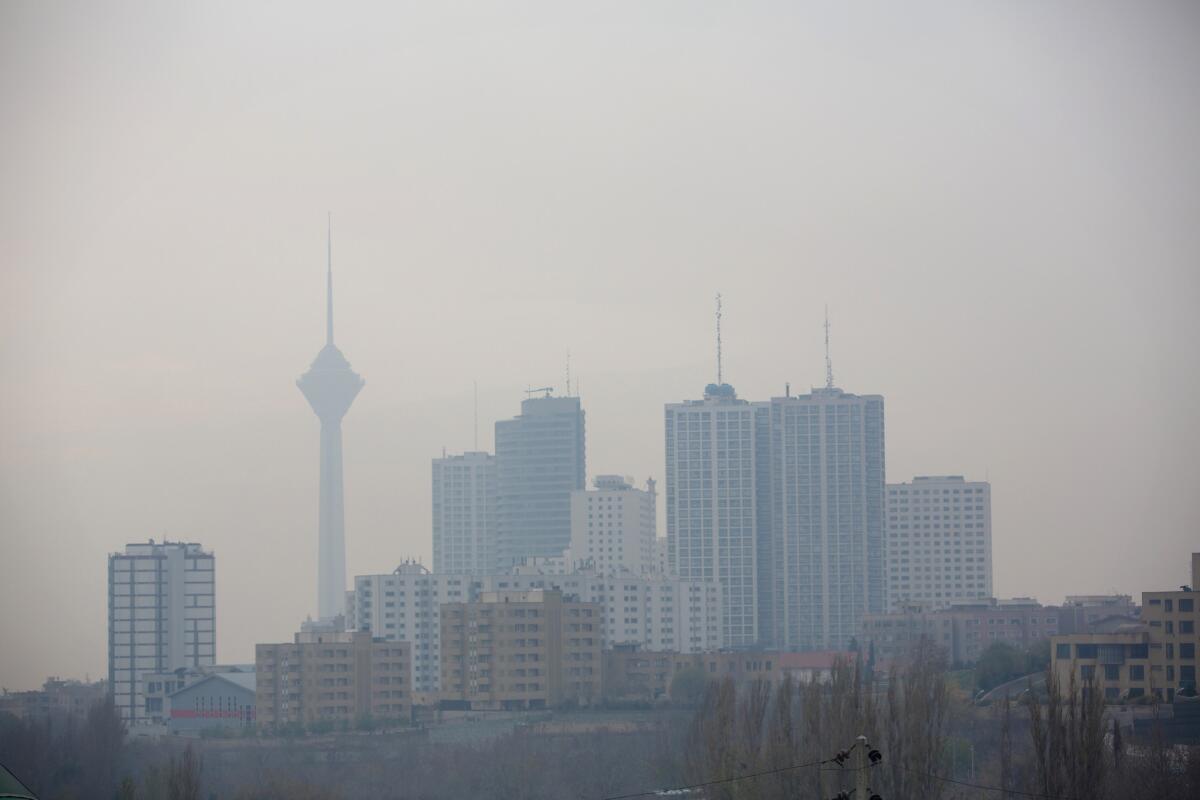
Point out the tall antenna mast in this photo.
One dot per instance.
(828, 361)
(568, 373)
(718, 338)
(329, 279)
(475, 384)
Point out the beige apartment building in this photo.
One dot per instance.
(339, 677)
(521, 649)
(1153, 657)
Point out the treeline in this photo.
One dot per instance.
(752, 741)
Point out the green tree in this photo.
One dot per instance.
(688, 684)
(1000, 662)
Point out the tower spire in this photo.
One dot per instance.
(718, 339)
(828, 361)
(329, 280)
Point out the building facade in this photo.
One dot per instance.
(962, 631)
(161, 617)
(57, 698)
(464, 514)
(824, 533)
(521, 650)
(540, 460)
(1152, 658)
(157, 687)
(219, 700)
(654, 611)
(713, 503)
(613, 526)
(939, 542)
(337, 678)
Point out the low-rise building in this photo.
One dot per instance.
(520, 650)
(1080, 613)
(157, 687)
(56, 698)
(1154, 657)
(338, 677)
(963, 631)
(218, 700)
(633, 674)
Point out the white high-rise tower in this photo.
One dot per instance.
(330, 387)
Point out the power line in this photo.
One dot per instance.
(988, 788)
(719, 781)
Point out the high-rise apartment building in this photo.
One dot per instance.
(540, 460)
(339, 677)
(521, 649)
(613, 526)
(713, 502)
(161, 617)
(464, 514)
(939, 541)
(824, 532)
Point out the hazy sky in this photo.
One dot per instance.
(1000, 203)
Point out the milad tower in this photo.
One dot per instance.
(330, 387)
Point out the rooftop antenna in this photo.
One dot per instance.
(568, 373)
(329, 279)
(475, 384)
(718, 338)
(828, 360)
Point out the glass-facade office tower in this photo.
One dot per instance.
(464, 513)
(161, 616)
(712, 502)
(825, 531)
(540, 460)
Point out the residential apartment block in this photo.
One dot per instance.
(336, 677)
(1154, 657)
(822, 560)
(161, 617)
(652, 610)
(520, 650)
(613, 527)
(464, 514)
(939, 542)
(963, 631)
(540, 460)
(713, 503)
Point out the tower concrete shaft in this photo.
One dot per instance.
(330, 386)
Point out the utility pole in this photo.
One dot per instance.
(860, 768)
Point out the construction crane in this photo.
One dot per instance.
(546, 389)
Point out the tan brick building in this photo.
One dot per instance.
(339, 677)
(521, 649)
(1154, 657)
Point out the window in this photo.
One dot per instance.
(1087, 672)
(1187, 626)
(1085, 651)
(1062, 651)
(1137, 672)
(1187, 650)
(1187, 605)
(1112, 672)
(1139, 651)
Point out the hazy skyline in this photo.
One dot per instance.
(998, 202)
